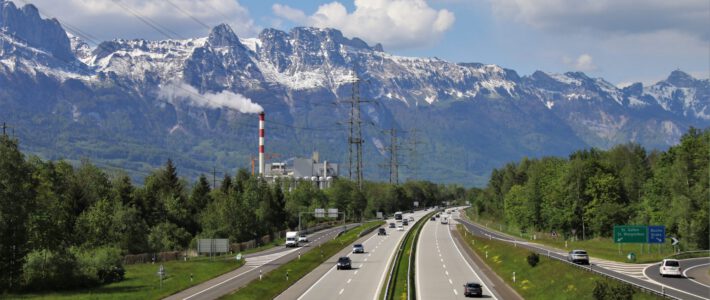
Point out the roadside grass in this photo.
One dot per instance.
(604, 248)
(143, 282)
(549, 279)
(276, 281)
(267, 246)
(399, 285)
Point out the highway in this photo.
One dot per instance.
(687, 283)
(364, 281)
(264, 261)
(441, 268)
(679, 293)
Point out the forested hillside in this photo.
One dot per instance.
(593, 190)
(64, 226)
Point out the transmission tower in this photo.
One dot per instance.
(414, 142)
(393, 161)
(355, 140)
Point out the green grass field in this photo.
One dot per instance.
(550, 279)
(275, 282)
(143, 282)
(604, 248)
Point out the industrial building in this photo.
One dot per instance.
(310, 169)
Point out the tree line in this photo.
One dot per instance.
(65, 226)
(593, 190)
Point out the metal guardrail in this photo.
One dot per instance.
(395, 262)
(590, 269)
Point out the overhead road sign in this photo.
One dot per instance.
(630, 234)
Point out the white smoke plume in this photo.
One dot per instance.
(175, 93)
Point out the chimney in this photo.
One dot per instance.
(261, 144)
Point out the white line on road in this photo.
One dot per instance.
(341, 291)
(469, 265)
(349, 280)
(455, 292)
(451, 282)
(685, 274)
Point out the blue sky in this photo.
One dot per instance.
(622, 41)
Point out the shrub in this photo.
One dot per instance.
(612, 290)
(533, 259)
(101, 265)
(50, 270)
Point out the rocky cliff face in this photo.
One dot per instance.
(108, 103)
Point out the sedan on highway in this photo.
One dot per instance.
(382, 231)
(471, 289)
(358, 248)
(344, 263)
(392, 225)
(400, 228)
(670, 267)
(578, 257)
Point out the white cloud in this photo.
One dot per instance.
(610, 16)
(180, 92)
(582, 63)
(109, 19)
(394, 23)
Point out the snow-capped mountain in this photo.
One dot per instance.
(69, 100)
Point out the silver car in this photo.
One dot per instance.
(578, 257)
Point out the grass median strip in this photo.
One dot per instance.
(549, 278)
(398, 286)
(276, 281)
(143, 282)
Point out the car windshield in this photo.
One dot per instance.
(343, 259)
(580, 252)
(473, 285)
(358, 246)
(672, 263)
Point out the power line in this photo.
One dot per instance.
(198, 21)
(157, 27)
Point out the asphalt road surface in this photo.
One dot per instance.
(686, 283)
(441, 268)
(367, 276)
(680, 293)
(264, 261)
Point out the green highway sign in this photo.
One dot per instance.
(630, 234)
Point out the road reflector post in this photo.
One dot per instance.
(259, 274)
(486, 254)
(286, 275)
(565, 244)
(514, 277)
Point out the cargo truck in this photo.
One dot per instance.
(292, 239)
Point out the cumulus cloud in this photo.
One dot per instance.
(394, 23)
(109, 19)
(610, 16)
(582, 63)
(181, 92)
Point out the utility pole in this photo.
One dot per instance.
(393, 162)
(214, 177)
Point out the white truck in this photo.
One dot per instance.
(292, 239)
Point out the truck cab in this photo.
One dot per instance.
(292, 239)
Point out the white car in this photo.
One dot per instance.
(302, 238)
(670, 267)
(400, 227)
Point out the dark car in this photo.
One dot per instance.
(471, 289)
(344, 263)
(382, 231)
(392, 225)
(405, 222)
(433, 219)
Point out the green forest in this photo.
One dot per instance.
(65, 226)
(593, 190)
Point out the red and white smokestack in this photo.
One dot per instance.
(261, 144)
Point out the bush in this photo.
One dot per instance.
(101, 265)
(612, 290)
(533, 259)
(50, 270)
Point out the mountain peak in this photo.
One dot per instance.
(223, 36)
(680, 79)
(27, 25)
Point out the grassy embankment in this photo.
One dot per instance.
(143, 282)
(604, 248)
(549, 279)
(399, 284)
(275, 282)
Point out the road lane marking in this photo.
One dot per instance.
(355, 272)
(469, 265)
(447, 273)
(451, 282)
(685, 274)
(455, 292)
(341, 291)
(349, 280)
(444, 266)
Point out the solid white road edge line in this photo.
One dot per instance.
(469, 265)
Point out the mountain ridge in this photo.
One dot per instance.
(483, 114)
